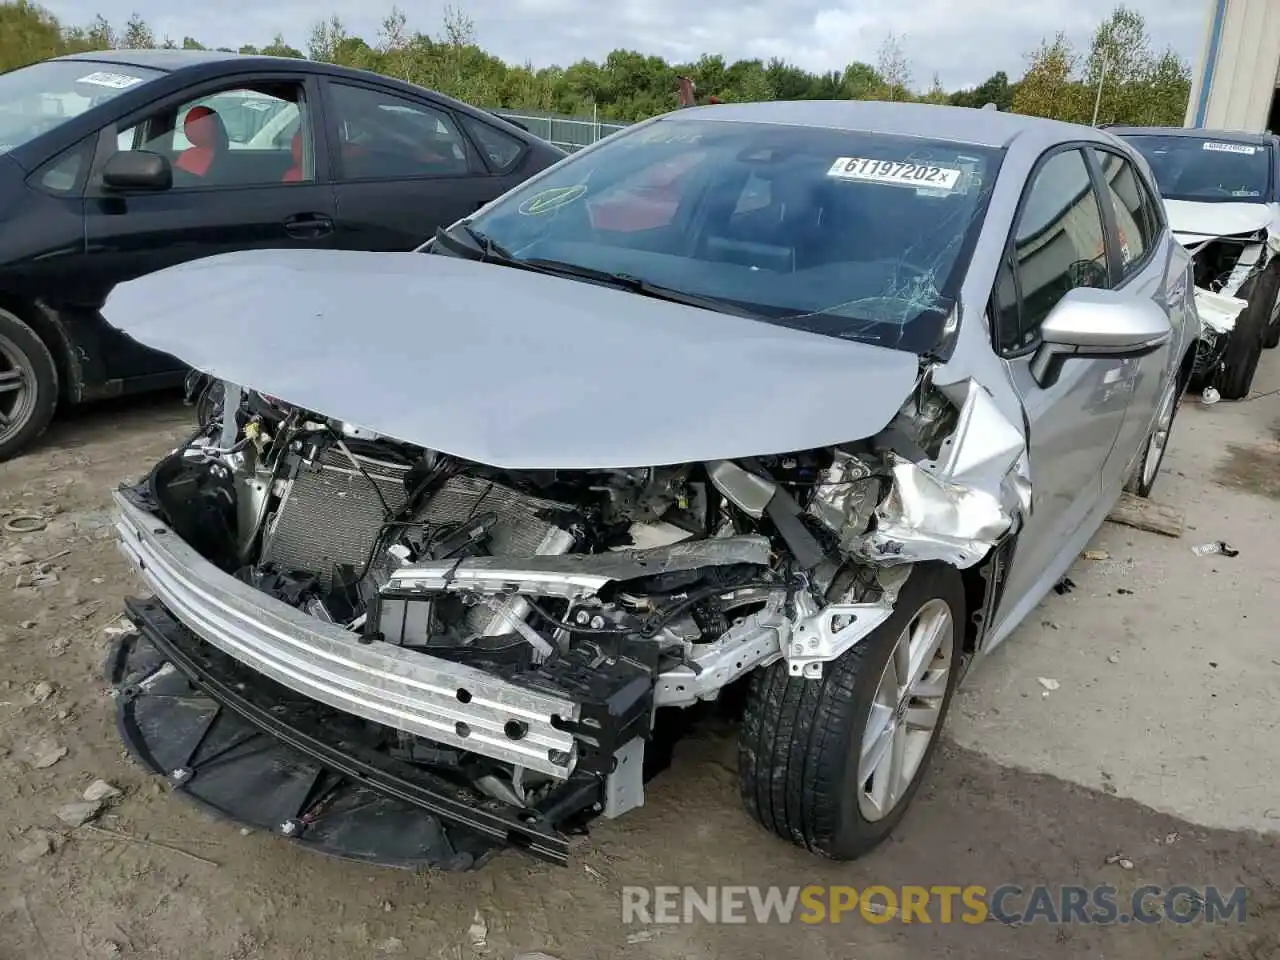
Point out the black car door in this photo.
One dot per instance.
(246, 175)
(402, 167)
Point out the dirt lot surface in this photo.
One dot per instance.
(1040, 792)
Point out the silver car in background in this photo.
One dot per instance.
(797, 409)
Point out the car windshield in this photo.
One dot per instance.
(855, 235)
(41, 96)
(1190, 168)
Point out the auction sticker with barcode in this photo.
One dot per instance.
(116, 81)
(896, 173)
(1230, 147)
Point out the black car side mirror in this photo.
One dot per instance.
(137, 170)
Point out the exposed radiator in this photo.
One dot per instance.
(331, 515)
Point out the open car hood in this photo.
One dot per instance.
(507, 367)
(1194, 223)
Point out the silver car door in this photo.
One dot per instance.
(1058, 243)
(1147, 270)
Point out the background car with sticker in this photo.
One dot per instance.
(1220, 189)
(115, 164)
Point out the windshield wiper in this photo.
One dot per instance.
(633, 284)
(476, 242)
(490, 251)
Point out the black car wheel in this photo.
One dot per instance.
(832, 764)
(1244, 349)
(28, 385)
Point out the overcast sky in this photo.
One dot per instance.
(963, 41)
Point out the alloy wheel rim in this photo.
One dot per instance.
(17, 388)
(1158, 440)
(906, 709)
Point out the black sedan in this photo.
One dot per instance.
(115, 164)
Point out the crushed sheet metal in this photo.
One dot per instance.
(987, 451)
(845, 499)
(1218, 311)
(957, 508)
(927, 518)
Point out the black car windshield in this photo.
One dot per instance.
(1192, 168)
(856, 235)
(41, 96)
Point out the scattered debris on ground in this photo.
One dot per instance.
(1217, 548)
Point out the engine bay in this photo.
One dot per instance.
(613, 592)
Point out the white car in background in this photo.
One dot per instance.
(1221, 189)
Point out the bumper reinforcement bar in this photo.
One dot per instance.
(344, 748)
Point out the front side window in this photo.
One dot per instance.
(385, 137)
(233, 138)
(1206, 171)
(1059, 243)
(37, 98)
(501, 149)
(1137, 222)
(855, 235)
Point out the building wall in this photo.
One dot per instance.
(1233, 85)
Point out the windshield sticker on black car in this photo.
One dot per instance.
(896, 173)
(116, 81)
(1230, 148)
(553, 199)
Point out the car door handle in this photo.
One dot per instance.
(308, 226)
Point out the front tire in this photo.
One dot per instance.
(1244, 349)
(833, 764)
(28, 385)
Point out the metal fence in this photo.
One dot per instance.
(568, 133)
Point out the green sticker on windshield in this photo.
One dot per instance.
(553, 199)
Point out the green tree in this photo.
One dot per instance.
(1049, 87)
(27, 33)
(137, 35)
(995, 89)
(936, 93)
(894, 69)
(1138, 86)
(861, 81)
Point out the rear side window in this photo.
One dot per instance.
(1059, 243)
(386, 137)
(1137, 221)
(501, 150)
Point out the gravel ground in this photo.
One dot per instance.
(1157, 756)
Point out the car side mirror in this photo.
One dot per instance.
(137, 170)
(1092, 323)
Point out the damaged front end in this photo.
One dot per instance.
(488, 653)
(1225, 270)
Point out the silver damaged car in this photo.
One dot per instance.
(789, 411)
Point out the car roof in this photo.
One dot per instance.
(988, 128)
(1194, 133)
(167, 60)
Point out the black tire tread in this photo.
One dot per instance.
(1244, 349)
(795, 739)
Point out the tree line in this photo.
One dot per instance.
(1120, 76)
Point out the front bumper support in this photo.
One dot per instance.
(339, 744)
(449, 703)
